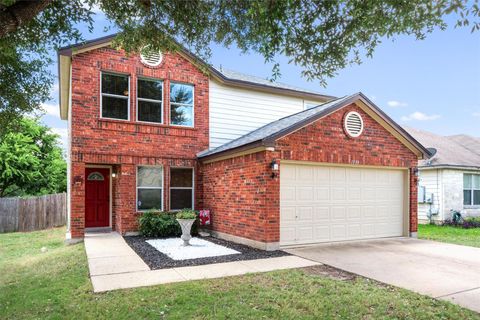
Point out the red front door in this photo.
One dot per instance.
(97, 197)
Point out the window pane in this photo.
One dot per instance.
(476, 197)
(476, 181)
(150, 177)
(115, 84)
(180, 199)
(467, 181)
(116, 108)
(181, 177)
(149, 199)
(149, 111)
(181, 93)
(181, 115)
(467, 197)
(150, 89)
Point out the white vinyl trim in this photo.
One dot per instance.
(151, 100)
(182, 188)
(156, 188)
(182, 104)
(114, 95)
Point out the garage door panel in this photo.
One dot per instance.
(322, 194)
(304, 194)
(321, 214)
(287, 193)
(321, 204)
(338, 193)
(304, 214)
(338, 213)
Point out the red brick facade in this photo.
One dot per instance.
(244, 199)
(124, 145)
(240, 192)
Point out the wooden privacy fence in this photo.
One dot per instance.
(35, 213)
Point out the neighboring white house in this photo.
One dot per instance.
(451, 178)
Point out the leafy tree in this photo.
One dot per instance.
(320, 36)
(31, 162)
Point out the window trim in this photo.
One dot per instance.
(472, 189)
(181, 104)
(151, 100)
(181, 188)
(114, 95)
(155, 188)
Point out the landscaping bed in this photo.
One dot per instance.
(157, 260)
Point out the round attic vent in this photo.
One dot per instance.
(150, 57)
(353, 124)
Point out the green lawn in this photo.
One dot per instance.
(55, 285)
(467, 237)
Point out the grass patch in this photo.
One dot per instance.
(457, 235)
(55, 285)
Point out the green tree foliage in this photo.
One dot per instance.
(31, 162)
(320, 36)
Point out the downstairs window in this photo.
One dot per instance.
(181, 188)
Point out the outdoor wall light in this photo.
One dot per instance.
(114, 174)
(274, 167)
(415, 171)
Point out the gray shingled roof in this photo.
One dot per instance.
(460, 150)
(235, 75)
(275, 127)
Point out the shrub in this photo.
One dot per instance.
(186, 214)
(466, 223)
(161, 224)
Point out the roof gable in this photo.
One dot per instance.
(227, 77)
(267, 135)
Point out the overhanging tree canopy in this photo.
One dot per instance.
(319, 36)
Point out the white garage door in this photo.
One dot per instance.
(323, 204)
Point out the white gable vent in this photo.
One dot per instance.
(151, 58)
(353, 124)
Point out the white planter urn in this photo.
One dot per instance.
(186, 225)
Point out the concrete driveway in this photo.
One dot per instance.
(445, 271)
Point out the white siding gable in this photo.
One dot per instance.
(235, 111)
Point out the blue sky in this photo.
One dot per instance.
(433, 84)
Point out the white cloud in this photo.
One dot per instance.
(63, 133)
(420, 116)
(396, 104)
(476, 114)
(51, 109)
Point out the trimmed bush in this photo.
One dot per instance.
(161, 224)
(466, 223)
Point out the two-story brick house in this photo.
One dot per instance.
(275, 164)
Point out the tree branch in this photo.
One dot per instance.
(19, 14)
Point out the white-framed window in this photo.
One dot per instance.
(149, 188)
(181, 104)
(181, 188)
(471, 189)
(150, 100)
(115, 96)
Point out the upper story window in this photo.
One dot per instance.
(149, 100)
(471, 189)
(115, 96)
(181, 104)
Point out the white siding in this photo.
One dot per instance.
(431, 180)
(235, 112)
(453, 193)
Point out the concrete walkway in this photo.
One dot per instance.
(440, 270)
(114, 265)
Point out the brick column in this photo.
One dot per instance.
(413, 202)
(125, 197)
(77, 200)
